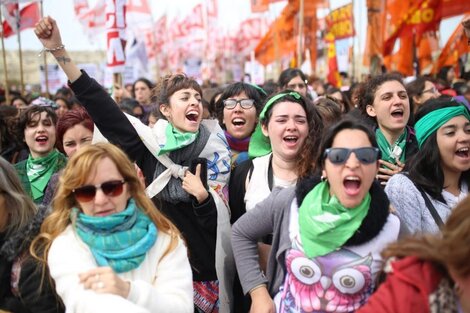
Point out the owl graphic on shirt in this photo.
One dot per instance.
(340, 281)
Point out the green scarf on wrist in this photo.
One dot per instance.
(176, 140)
(40, 170)
(325, 224)
(392, 153)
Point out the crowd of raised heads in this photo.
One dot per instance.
(289, 196)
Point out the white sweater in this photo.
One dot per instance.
(157, 285)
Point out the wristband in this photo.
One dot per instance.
(51, 49)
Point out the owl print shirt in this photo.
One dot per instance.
(340, 281)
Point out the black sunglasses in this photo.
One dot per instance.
(87, 193)
(244, 103)
(366, 155)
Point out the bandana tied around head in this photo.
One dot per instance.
(325, 224)
(119, 240)
(259, 143)
(176, 140)
(432, 121)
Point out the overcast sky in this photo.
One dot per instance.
(74, 38)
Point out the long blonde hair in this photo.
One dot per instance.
(451, 248)
(74, 175)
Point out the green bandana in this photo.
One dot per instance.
(325, 224)
(176, 140)
(394, 152)
(432, 121)
(259, 143)
(40, 170)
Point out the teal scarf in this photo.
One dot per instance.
(120, 240)
(325, 224)
(176, 140)
(392, 153)
(432, 121)
(40, 170)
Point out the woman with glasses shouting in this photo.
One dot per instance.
(107, 247)
(328, 231)
(185, 161)
(237, 111)
(419, 91)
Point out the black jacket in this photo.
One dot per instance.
(29, 296)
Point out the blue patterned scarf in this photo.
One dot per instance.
(120, 240)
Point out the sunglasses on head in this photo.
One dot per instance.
(244, 103)
(87, 193)
(366, 155)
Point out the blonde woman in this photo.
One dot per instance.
(108, 248)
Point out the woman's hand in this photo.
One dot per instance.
(105, 280)
(392, 169)
(48, 33)
(192, 184)
(261, 302)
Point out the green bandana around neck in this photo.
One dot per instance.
(325, 224)
(176, 140)
(432, 121)
(40, 170)
(119, 240)
(259, 143)
(392, 153)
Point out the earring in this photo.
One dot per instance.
(323, 178)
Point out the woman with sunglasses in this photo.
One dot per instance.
(328, 231)
(437, 177)
(107, 247)
(22, 289)
(37, 129)
(385, 103)
(185, 161)
(237, 111)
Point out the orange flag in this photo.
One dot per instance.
(454, 48)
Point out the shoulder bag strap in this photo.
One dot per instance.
(429, 205)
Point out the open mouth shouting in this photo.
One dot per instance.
(398, 113)
(42, 140)
(192, 116)
(238, 122)
(462, 153)
(291, 140)
(352, 185)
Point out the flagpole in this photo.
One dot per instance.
(20, 51)
(353, 47)
(46, 70)
(301, 32)
(7, 88)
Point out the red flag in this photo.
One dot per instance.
(29, 16)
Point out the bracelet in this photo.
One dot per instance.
(51, 49)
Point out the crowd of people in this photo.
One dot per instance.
(294, 196)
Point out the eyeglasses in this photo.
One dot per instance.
(299, 86)
(366, 155)
(244, 103)
(431, 90)
(87, 193)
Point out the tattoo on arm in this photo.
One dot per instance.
(63, 59)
